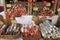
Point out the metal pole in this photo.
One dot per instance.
(4, 5)
(28, 9)
(55, 6)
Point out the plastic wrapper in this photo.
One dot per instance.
(49, 30)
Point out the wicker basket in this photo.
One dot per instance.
(50, 39)
(10, 36)
(32, 37)
(0, 32)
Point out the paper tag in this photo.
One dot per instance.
(24, 20)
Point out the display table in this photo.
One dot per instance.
(28, 20)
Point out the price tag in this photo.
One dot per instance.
(8, 5)
(24, 20)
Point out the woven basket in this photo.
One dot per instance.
(10, 36)
(50, 39)
(32, 37)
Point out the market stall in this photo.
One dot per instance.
(29, 21)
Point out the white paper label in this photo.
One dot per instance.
(24, 19)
